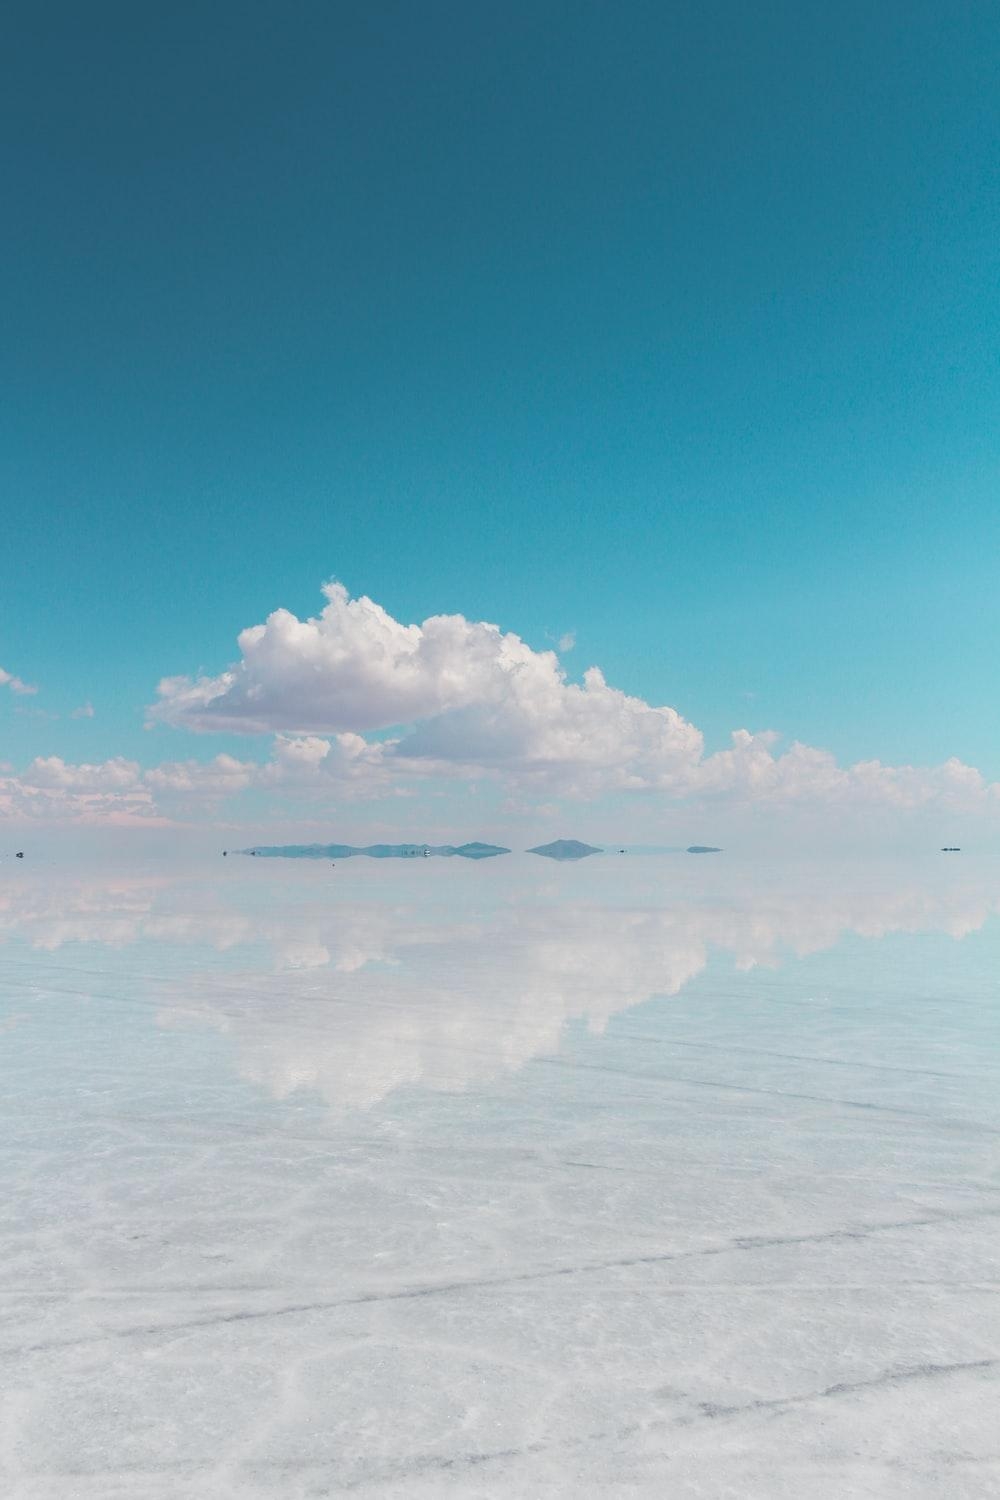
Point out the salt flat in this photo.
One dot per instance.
(635, 1177)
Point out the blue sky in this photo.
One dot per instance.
(673, 327)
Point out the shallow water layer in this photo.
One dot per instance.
(634, 1177)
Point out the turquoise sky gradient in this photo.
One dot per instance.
(671, 325)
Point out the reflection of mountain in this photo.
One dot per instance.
(355, 991)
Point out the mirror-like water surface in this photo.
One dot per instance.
(634, 1177)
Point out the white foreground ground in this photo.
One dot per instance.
(639, 1177)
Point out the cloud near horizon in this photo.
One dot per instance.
(452, 699)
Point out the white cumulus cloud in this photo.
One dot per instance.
(477, 696)
(462, 701)
(352, 667)
(468, 699)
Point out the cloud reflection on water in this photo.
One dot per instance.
(356, 991)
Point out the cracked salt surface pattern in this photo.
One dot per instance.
(621, 1179)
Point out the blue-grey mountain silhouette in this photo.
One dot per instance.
(473, 850)
(566, 849)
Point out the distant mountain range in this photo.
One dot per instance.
(566, 849)
(562, 849)
(376, 851)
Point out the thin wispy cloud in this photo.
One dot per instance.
(16, 685)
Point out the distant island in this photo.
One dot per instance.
(566, 849)
(703, 849)
(376, 851)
